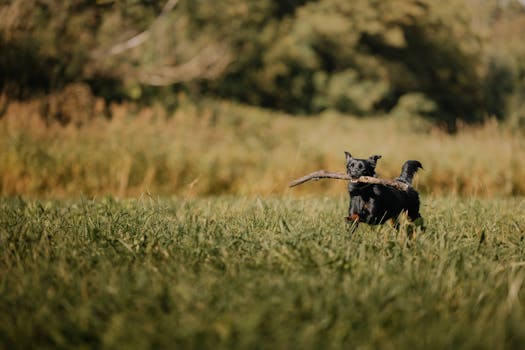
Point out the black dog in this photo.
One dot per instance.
(375, 204)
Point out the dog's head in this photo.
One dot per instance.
(360, 167)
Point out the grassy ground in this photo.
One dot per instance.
(259, 273)
(222, 148)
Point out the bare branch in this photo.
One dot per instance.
(137, 39)
(320, 174)
(323, 174)
(209, 63)
(170, 4)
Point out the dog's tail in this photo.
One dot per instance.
(408, 170)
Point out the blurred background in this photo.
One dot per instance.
(189, 98)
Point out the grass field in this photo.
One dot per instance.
(236, 259)
(252, 273)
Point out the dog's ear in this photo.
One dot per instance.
(373, 159)
(348, 156)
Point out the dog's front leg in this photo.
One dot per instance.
(353, 221)
(353, 217)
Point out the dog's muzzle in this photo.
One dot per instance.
(354, 176)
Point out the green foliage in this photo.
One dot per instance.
(360, 57)
(506, 63)
(232, 273)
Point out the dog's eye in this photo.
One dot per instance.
(351, 165)
(361, 166)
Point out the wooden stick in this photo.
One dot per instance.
(323, 174)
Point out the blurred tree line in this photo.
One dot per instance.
(448, 60)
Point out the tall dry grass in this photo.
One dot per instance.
(223, 148)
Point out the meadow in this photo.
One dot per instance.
(146, 149)
(159, 230)
(258, 273)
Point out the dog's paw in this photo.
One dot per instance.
(353, 218)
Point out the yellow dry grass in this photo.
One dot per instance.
(223, 148)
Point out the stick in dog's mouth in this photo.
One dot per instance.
(323, 174)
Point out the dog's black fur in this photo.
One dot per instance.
(376, 204)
